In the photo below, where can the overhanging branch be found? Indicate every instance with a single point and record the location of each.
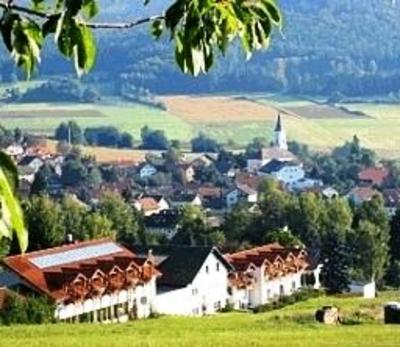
(100, 25)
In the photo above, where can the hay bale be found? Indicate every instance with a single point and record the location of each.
(328, 315)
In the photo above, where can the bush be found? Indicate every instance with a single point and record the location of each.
(30, 310)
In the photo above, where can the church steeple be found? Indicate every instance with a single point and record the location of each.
(279, 134)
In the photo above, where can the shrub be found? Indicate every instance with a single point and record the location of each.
(30, 310)
(228, 308)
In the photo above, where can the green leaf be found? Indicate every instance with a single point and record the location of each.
(90, 8)
(274, 12)
(85, 52)
(10, 170)
(11, 213)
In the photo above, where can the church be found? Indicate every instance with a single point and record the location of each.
(277, 151)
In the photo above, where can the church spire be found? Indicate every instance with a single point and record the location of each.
(279, 134)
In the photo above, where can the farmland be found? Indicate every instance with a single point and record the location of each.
(291, 326)
(237, 118)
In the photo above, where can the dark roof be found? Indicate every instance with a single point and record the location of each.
(224, 166)
(275, 165)
(164, 219)
(183, 197)
(179, 265)
(278, 126)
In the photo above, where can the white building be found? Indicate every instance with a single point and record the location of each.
(263, 274)
(241, 193)
(287, 172)
(194, 280)
(279, 135)
(98, 281)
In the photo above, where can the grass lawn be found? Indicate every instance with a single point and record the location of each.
(291, 326)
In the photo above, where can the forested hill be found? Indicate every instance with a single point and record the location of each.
(326, 47)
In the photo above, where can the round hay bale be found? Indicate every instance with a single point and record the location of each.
(328, 315)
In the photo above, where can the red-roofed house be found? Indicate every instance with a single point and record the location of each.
(362, 194)
(98, 279)
(265, 273)
(373, 175)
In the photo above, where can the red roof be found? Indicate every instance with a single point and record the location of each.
(274, 256)
(373, 175)
(55, 271)
(363, 193)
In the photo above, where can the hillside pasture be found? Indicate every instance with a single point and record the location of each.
(292, 326)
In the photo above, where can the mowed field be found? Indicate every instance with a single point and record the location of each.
(236, 119)
(291, 326)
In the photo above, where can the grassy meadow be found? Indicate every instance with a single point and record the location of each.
(236, 119)
(291, 326)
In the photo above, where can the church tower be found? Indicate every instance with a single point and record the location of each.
(279, 135)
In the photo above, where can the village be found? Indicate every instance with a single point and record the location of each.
(173, 270)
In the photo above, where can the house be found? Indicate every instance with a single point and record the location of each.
(97, 280)
(147, 170)
(242, 193)
(373, 175)
(194, 280)
(287, 172)
(164, 223)
(14, 150)
(265, 273)
(187, 171)
(31, 161)
(391, 197)
(358, 195)
(150, 204)
(305, 184)
(226, 168)
(182, 199)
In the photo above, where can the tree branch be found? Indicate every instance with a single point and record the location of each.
(100, 25)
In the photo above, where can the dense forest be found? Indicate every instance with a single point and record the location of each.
(341, 47)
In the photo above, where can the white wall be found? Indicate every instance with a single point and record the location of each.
(143, 296)
(205, 295)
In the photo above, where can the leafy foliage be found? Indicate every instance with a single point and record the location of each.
(11, 213)
(198, 28)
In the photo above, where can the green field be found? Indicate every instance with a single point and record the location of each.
(322, 127)
(291, 326)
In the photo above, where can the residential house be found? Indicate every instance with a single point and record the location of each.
(305, 184)
(265, 273)
(358, 195)
(97, 280)
(164, 223)
(373, 176)
(31, 161)
(266, 155)
(194, 280)
(15, 151)
(150, 204)
(329, 193)
(182, 199)
(287, 172)
(226, 168)
(242, 193)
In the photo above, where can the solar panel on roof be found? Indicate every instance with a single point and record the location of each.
(75, 255)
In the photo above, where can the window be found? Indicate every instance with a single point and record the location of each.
(143, 300)
(281, 290)
(195, 311)
(293, 286)
(195, 291)
(207, 270)
(268, 293)
(217, 267)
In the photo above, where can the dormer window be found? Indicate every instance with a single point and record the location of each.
(207, 269)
